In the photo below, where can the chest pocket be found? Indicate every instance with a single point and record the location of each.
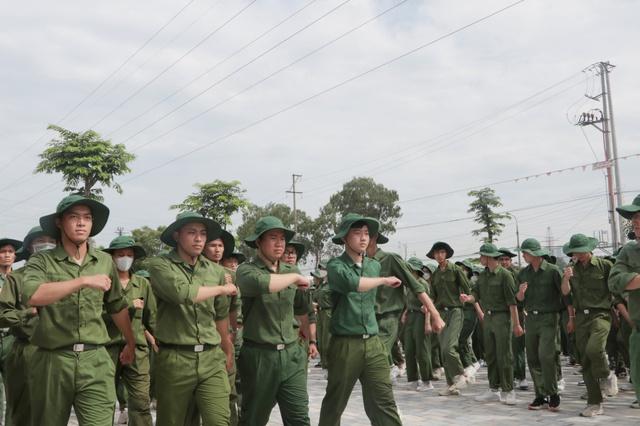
(495, 290)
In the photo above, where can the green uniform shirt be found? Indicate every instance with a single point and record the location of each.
(543, 291)
(14, 313)
(590, 285)
(448, 284)
(76, 318)
(322, 296)
(391, 299)
(141, 319)
(626, 268)
(269, 317)
(175, 283)
(495, 291)
(354, 311)
(413, 302)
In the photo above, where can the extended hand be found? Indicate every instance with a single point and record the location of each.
(128, 354)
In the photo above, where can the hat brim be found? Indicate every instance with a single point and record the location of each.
(213, 229)
(569, 250)
(16, 244)
(99, 215)
(536, 253)
(138, 251)
(229, 243)
(628, 211)
(493, 254)
(372, 224)
(382, 239)
(237, 255)
(251, 240)
(300, 248)
(440, 246)
(505, 252)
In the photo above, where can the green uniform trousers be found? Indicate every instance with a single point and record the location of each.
(6, 342)
(136, 382)
(435, 353)
(60, 379)
(469, 321)
(622, 339)
(541, 344)
(518, 348)
(449, 340)
(324, 336)
(270, 376)
(591, 338)
(497, 350)
(366, 360)
(192, 382)
(17, 366)
(233, 396)
(634, 358)
(388, 328)
(417, 348)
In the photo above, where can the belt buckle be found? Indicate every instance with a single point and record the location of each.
(535, 312)
(586, 311)
(280, 346)
(198, 348)
(78, 347)
(489, 312)
(365, 336)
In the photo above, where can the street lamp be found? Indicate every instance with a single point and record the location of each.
(513, 216)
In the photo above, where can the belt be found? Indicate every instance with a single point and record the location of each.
(388, 314)
(356, 336)
(278, 347)
(536, 312)
(79, 347)
(189, 348)
(592, 311)
(493, 312)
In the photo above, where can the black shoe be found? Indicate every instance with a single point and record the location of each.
(554, 403)
(538, 403)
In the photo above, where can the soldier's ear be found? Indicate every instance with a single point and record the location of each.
(175, 235)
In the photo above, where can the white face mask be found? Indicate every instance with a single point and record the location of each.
(43, 246)
(474, 279)
(124, 263)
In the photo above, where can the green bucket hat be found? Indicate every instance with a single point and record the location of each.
(440, 245)
(22, 254)
(381, 239)
(490, 250)
(348, 221)
(506, 252)
(265, 224)
(16, 244)
(467, 264)
(430, 267)
(579, 243)
(213, 229)
(236, 254)
(415, 264)
(123, 242)
(143, 273)
(629, 210)
(300, 248)
(33, 233)
(533, 247)
(228, 241)
(99, 212)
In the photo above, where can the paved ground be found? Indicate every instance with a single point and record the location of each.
(418, 408)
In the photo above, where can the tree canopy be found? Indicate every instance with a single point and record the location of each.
(483, 207)
(217, 200)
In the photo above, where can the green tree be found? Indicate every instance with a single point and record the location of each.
(85, 160)
(217, 200)
(149, 239)
(483, 207)
(364, 196)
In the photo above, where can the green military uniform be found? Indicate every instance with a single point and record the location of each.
(543, 302)
(447, 284)
(190, 367)
(322, 296)
(273, 362)
(235, 306)
(592, 302)
(469, 323)
(518, 343)
(417, 344)
(390, 301)
(496, 293)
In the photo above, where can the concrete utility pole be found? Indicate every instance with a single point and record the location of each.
(604, 117)
(120, 231)
(293, 191)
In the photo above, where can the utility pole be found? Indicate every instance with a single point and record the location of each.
(604, 117)
(293, 191)
(513, 216)
(119, 231)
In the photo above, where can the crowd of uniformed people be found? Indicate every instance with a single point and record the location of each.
(210, 337)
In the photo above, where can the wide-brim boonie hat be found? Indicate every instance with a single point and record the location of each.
(99, 213)
(228, 241)
(579, 243)
(300, 248)
(349, 220)
(16, 244)
(213, 228)
(123, 242)
(440, 245)
(506, 252)
(415, 264)
(430, 267)
(629, 210)
(265, 224)
(237, 255)
(467, 264)
(33, 233)
(382, 239)
(22, 254)
(490, 250)
(533, 247)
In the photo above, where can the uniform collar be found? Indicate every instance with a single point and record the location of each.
(282, 266)
(175, 258)
(59, 253)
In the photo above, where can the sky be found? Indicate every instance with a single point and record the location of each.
(430, 98)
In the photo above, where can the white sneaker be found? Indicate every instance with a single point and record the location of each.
(523, 384)
(476, 365)
(123, 418)
(492, 395)
(609, 385)
(438, 373)
(401, 370)
(450, 391)
(424, 386)
(395, 371)
(460, 381)
(511, 399)
(470, 371)
(592, 410)
(561, 385)
(325, 374)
